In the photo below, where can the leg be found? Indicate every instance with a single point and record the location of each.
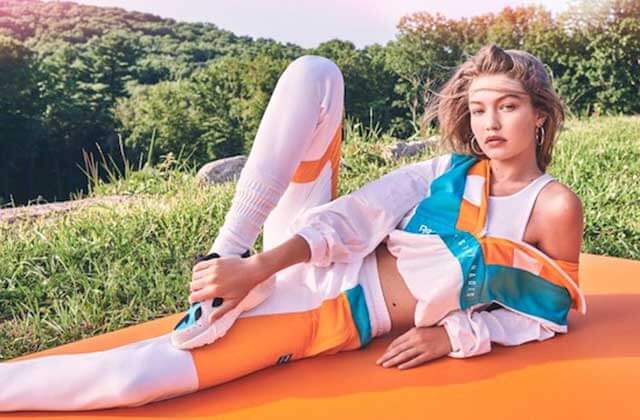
(294, 160)
(293, 165)
(154, 370)
(129, 375)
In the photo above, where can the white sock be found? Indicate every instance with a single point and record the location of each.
(253, 200)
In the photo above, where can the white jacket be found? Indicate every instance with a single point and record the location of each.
(352, 226)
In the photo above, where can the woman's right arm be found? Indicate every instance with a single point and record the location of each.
(232, 277)
(292, 251)
(352, 226)
(342, 230)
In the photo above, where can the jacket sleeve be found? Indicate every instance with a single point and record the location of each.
(471, 333)
(350, 227)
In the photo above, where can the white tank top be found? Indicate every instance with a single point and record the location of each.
(508, 215)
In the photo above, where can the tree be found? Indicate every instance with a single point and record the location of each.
(513, 27)
(425, 52)
(614, 67)
(214, 115)
(602, 62)
(18, 116)
(367, 87)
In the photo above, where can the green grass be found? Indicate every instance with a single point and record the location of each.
(103, 268)
(599, 159)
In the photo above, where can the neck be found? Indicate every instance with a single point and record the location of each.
(517, 169)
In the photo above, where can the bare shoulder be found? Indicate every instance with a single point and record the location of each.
(560, 203)
(560, 213)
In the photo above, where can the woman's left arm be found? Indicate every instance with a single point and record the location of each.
(463, 334)
(562, 223)
(415, 347)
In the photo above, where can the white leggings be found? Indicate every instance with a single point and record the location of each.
(296, 154)
(287, 171)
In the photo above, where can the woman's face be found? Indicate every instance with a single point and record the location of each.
(503, 119)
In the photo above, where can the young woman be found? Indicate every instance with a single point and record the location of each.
(452, 253)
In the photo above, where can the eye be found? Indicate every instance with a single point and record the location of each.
(508, 107)
(476, 111)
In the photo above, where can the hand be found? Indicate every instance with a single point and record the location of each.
(415, 347)
(230, 278)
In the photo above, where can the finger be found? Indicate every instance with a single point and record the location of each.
(197, 275)
(205, 293)
(196, 285)
(389, 352)
(202, 265)
(416, 361)
(393, 351)
(402, 339)
(198, 267)
(386, 356)
(401, 357)
(221, 310)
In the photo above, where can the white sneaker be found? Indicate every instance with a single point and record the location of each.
(194, 329)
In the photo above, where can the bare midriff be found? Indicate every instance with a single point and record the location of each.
(400, 302)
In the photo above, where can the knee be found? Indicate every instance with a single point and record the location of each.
(315, 68)
(126, 389)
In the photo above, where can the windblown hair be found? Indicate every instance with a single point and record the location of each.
(451, 104)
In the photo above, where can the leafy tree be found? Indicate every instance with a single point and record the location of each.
(513, 27)
(214, 115)
(600, 50)
(73, 116)
(73, 76)
(367, 82)
(427, 49)
(18, 117)
(614, 68)
(108, 63)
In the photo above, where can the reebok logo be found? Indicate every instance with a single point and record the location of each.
(424, 229)
(284, 359)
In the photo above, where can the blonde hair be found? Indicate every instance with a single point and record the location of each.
(452, 109)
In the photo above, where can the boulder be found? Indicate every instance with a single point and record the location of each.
(221, 170)
(408, 148)
(32, 212)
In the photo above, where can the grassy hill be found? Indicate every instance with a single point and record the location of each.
(103, 268)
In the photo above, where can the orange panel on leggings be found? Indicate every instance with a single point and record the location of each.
(308, 171)
(261, 341)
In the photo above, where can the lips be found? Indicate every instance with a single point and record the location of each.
(494, 139)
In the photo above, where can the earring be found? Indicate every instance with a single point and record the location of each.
(540, 136)
(475, 141)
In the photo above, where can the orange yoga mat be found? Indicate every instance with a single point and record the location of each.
(592, 372)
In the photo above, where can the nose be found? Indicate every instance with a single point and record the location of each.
(492, 122)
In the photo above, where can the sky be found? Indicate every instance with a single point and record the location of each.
(310, 22)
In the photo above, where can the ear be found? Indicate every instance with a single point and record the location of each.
(540, 118)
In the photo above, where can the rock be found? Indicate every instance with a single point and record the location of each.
(221, 170)
(404, 148)
(26, 213)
